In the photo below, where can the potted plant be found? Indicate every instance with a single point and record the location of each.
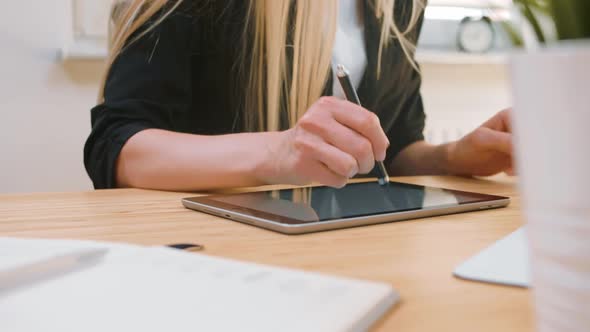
(569, 17)
(551, 117)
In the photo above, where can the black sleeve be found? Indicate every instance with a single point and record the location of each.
(148, 86)
(409, 126)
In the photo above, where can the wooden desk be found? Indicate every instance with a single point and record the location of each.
(416, 257)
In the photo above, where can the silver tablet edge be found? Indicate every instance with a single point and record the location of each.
(343, 223)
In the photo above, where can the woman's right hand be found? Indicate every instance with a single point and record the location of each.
(331, 143)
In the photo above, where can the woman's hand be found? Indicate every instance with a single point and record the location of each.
(485, 151)
(332, 142)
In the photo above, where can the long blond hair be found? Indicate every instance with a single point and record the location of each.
(268, 79)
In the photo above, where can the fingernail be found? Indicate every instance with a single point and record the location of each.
(353, 173)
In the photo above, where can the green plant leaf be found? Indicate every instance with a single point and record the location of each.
(513, 33)
(528, 13)
(572, 18)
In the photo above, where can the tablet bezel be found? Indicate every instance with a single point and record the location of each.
(472, 201)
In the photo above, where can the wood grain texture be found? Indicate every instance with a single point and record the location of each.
(416, 257)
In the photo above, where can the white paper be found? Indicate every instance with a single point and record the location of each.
(505, 262)
(160, 289)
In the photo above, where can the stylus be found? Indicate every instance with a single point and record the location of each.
(49, 268)
(352, 96)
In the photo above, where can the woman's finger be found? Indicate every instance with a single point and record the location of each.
(364, 122)
(324, 175)
(494, 140)
(346, 140)
(314, 148)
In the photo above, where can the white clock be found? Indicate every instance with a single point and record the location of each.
(476, 35)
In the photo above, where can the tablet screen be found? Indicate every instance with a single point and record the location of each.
(313, 204)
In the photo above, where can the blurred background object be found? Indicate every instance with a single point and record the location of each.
(44, 101)
(52, 63)
(551, 115)
(466, 26)
(462, 51)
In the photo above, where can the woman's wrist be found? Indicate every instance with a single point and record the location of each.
(265, 166)
(446, 158)
(440, 158)
(421, 158)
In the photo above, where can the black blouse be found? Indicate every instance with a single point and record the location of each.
(181, 77)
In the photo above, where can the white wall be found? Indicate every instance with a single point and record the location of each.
(45, 104)
(458, 98)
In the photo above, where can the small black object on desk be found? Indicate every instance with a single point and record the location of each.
(187, 246)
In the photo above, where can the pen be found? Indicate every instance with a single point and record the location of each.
(352, 96)
(49, 268)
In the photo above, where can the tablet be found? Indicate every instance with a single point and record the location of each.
(312, 209)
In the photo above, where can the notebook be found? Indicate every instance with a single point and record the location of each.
(145, 289)
(505, 262)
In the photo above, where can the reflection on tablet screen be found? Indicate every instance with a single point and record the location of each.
(354, 200)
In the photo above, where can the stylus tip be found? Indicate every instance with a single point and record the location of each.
(341, 71)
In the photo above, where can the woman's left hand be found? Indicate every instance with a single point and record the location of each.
(485, 151)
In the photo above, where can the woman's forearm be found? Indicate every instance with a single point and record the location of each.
(159, 159)
(421, 158)
(485, 151)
